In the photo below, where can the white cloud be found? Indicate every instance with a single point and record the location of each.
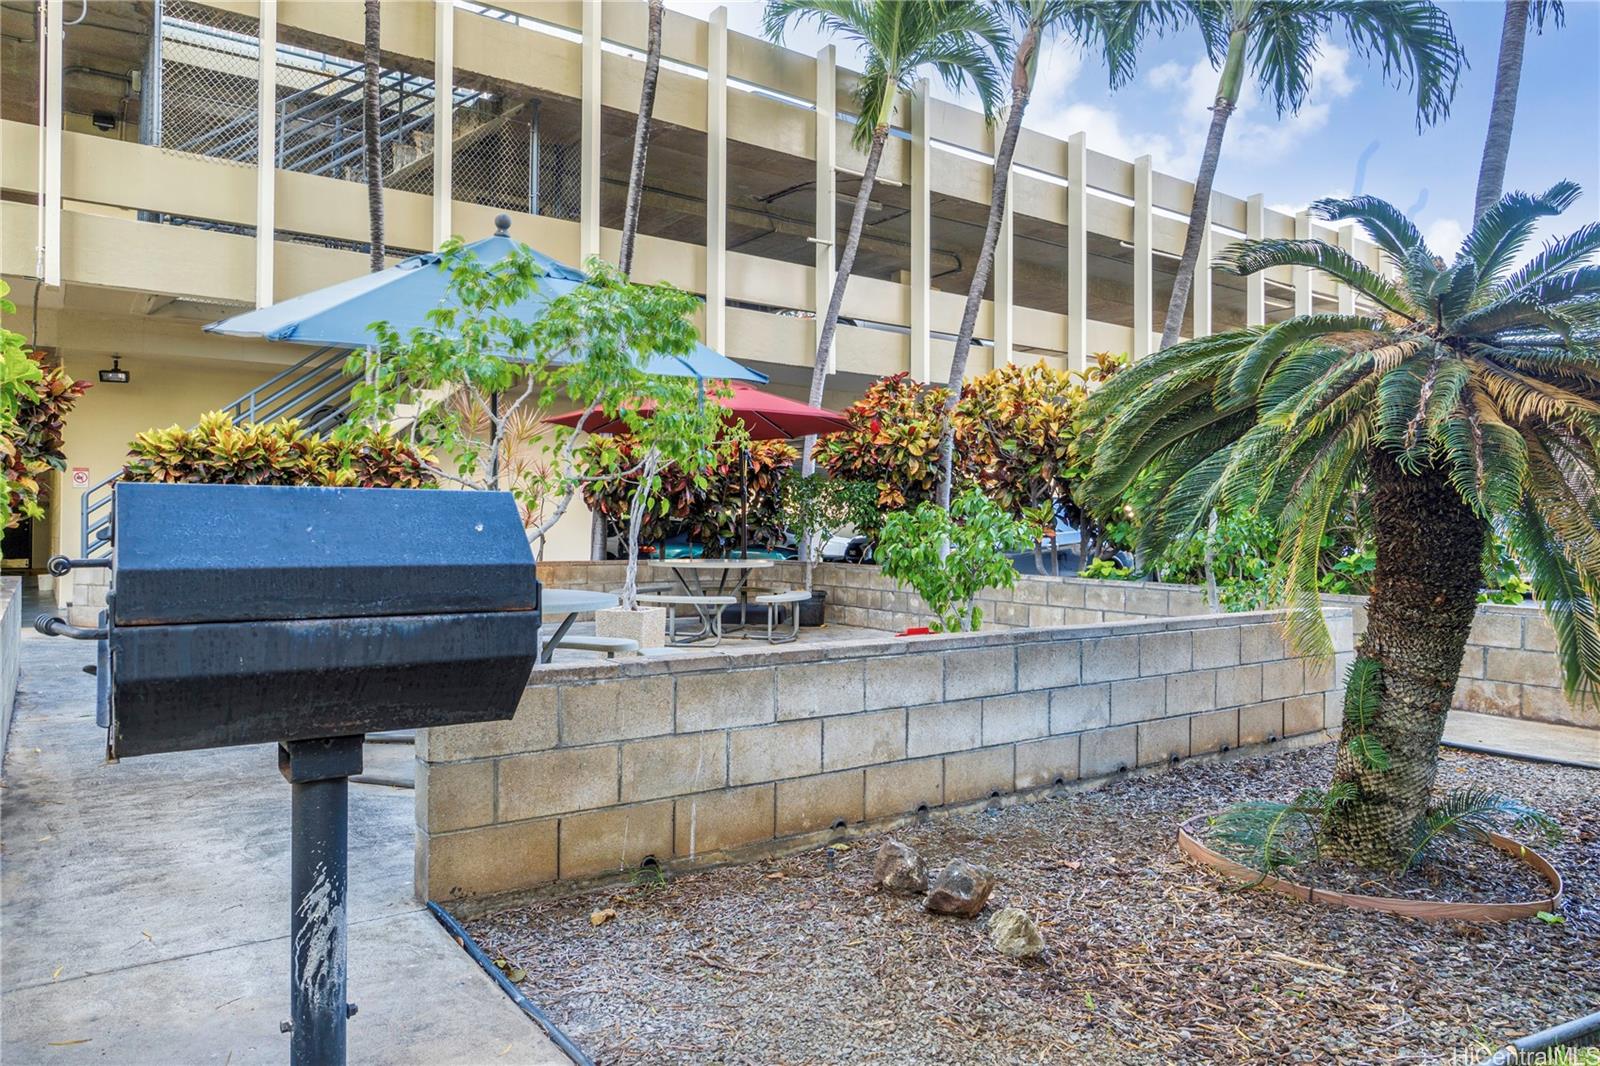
(1444, 236)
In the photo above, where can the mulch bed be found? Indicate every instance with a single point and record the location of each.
(1151, 960)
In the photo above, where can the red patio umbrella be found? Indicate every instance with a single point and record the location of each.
(764, 416)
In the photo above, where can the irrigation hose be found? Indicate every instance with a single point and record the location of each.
(1566, 1032)
(531, 1009)
(1484, 749)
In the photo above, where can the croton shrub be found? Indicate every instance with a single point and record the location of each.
(218, 452)
(893, 442)
(33, 447)
(703, 505)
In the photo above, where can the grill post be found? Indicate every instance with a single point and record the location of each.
(318, 772)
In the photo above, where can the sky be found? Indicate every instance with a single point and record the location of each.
(1355, 134)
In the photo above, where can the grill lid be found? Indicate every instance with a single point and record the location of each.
(238, 553)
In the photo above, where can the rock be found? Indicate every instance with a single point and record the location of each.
(899, 868)
(962, 888)
(1014, 933)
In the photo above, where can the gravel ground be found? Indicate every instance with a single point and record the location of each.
(1151, 959)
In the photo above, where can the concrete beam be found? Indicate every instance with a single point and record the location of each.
(1302, 275)
(1078, 251)
(1255, 286)
(921, 200)
(266, 149)
(1005, 279)
(589, 137)
(717, 179)
(1200, 292)
(827, 225)
(50, 157)
(1143, 251)
(1347, 295)
(444, 134)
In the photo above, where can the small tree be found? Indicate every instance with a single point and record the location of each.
(821, 506)
(977, 534)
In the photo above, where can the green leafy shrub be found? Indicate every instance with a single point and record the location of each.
(978, 533)
(217, 452)
(819, 506)
(32, 445)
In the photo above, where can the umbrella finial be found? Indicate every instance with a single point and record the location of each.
(502, 225)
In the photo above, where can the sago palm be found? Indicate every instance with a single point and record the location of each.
(1276, 43)
(966, 43)
(1467, 399)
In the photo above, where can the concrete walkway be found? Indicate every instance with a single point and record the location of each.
(1541, 739)
(145, 905)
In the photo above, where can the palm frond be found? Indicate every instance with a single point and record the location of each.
(1416, 44)
(1505, 228)
(1385, 224)
(1254, 256)
(1475, 812)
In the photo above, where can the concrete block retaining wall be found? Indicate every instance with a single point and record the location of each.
(705, 757)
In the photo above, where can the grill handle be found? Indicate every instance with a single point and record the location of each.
(60, 565)
(52, 626)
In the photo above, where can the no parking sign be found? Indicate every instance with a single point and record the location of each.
(80, 477)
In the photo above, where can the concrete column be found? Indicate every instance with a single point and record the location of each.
(1302, 275)
(266, 148)
(717, 179)
(1200, 291)
(827, 201)
(444, 131)
(1005, 280)
(589, 143)
(1143, 253)
(50, 156)
(1255, 286)
(921, 365)
(1347, 295)
(1077, 251)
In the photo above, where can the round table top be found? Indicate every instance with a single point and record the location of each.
(576, 601)
(714, 564)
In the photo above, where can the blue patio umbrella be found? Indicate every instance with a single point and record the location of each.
(340, 316)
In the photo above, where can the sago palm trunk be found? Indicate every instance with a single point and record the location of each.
(641, 138)
(372, 115)
(1424, 594)
(841, 279)
(999, 189)
(1503, 112)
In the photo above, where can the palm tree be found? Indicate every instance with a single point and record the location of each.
(641, 136)
(960, 39)
(1277, 41)
(1467, 400)
(1116, 27)
(372, 115)
(1503, 111)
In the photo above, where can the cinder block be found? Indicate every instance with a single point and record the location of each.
(532, 729)
(1106, 751)
(615, 840)
(1523, 667)
(1333, 710)
(718, 699)
(1496, 630)
(1281, 678)
(864, 739)
(1110, 659)
(1152, 603)
(1216, 647)
(1041, 763)
(1238, 685)
(716, 821)
(1160, 741)
(674, 766)
(1537, 635)
(771, 752)
(941, 727)
(1138, 700)
(1261, 722)
(1165, 653)
(1320, 675)
(1261, 642)
(1302, 714)
(1006, 614)
(810, 803)
(904, 681)
(810, 690)
(1213, 731)
(1488, 697)
(453, 796)
(552, 782)
(1051, 664)
(623, 709)
(971, 672)
(1067, 593)
(1472, 664)
(488, 860)
(1029, 590)
(1183, 603)
(1019, 716)
(1191, 693)
(1104, 596)
(1044, 617)
(1081, 707)
(975, 775)
(1551, 705)
(900, 788)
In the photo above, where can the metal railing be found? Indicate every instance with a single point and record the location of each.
(316, 392)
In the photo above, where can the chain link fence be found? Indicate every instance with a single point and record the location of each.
(210, 63)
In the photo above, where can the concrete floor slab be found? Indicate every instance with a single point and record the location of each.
(145, 904)
(1520, 737)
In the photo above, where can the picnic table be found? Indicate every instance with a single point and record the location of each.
(570, 603)
(709, 578)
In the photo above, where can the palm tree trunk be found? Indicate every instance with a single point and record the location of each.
(641, 137)
(847, 262)
(372, 115)
(1199, 214)
(999, 189)
(1424, 595)
(1503, 112)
